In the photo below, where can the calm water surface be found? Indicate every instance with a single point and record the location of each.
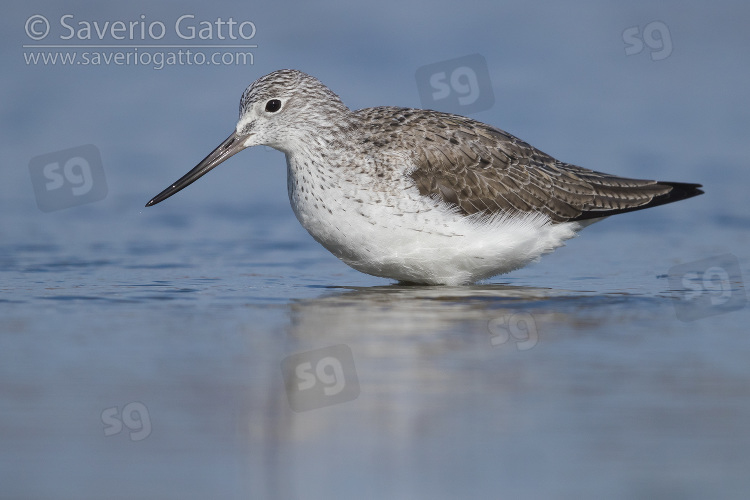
(146, 353)
(141, 356)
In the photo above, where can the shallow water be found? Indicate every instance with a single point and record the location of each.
(209, 348)
(144, 358)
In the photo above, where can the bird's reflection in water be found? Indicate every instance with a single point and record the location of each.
(437, 368)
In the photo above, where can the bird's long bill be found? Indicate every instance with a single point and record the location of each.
(231, 146)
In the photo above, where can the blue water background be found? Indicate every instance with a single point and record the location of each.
(190, 307)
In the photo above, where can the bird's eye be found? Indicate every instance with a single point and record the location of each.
(273, 105)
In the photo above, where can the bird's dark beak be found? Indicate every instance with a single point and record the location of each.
(230, 147)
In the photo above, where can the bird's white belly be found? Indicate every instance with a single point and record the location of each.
(405, 236)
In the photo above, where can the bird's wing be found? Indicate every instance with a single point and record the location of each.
(479, 168)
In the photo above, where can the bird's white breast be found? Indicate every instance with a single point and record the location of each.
(384, 227)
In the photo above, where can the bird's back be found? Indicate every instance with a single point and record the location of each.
(479, 168)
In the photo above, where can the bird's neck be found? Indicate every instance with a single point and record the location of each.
(321, 139)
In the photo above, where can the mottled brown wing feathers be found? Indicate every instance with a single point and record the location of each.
(478, 168)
